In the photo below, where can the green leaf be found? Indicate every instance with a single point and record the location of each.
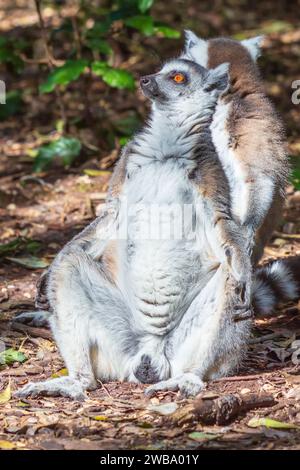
(119, 78)
(22, 404)
(12, 105)
(19, 244)
(124, 140)
(144, 5)
(7, 445)
(241, 36)
(63, 75)
(276, 26)
(9, 356)
(271, 423)
(99, 28)
(142, 23)
(59, 126)
(145, 425)
(128, 125)
(65, 148)
(203, 436)
(99, 67)
(116, 78)
(32, 246)
(296, 178)
(99, 45)
(99, 418)
(60, 373)
(167, 31)
(31, 262)
(92, 172)
(9, 52)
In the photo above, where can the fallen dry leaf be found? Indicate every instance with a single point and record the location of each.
(5, 396)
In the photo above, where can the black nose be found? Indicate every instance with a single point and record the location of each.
(149, 86)
(145, 81)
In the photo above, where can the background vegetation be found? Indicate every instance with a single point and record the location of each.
(71, 71)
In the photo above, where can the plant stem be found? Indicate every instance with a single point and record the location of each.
(50, 58)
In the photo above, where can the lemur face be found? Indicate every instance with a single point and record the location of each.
(183, 79)
(177, 78)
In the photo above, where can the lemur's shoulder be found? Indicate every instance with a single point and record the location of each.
(119, 173)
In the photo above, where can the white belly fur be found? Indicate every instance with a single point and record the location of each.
(162, 276)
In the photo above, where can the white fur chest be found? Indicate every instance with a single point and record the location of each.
(162, 265)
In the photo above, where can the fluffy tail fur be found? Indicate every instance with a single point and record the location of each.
(276, 283)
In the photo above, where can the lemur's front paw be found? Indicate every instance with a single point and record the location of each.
(188, 384)
(242, 309)
(239, 264)
(242, 313)
(62, 386)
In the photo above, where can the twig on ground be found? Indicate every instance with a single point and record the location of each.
(77, 37)
(287, 236)
(239, 378)
(263, 338)
(44, 61)
(220, 411)
(105, 389)
(32, 331)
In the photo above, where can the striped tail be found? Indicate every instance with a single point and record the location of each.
(274, 283)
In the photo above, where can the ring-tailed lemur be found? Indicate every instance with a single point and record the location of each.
(248, 136)
(146, 309)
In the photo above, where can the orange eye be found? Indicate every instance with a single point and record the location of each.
(179, 78)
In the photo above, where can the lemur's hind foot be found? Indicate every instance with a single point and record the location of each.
(62, 386)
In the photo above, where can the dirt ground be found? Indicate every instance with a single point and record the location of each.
(53, 206)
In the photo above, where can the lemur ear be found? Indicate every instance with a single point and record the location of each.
(190, 39)
(253, 45)
(217, 78)
(195, 48)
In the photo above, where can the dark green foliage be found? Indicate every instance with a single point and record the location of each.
(296, 178)
(19, 245)
(117, 78)
(90, 40)
(9, 356)
(63, 75)
(12, 106)
(64, 148)
(135, 15)
(10, 52)
(143, 23)
(127, 126)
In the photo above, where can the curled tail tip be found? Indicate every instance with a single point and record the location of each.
(274, 283)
